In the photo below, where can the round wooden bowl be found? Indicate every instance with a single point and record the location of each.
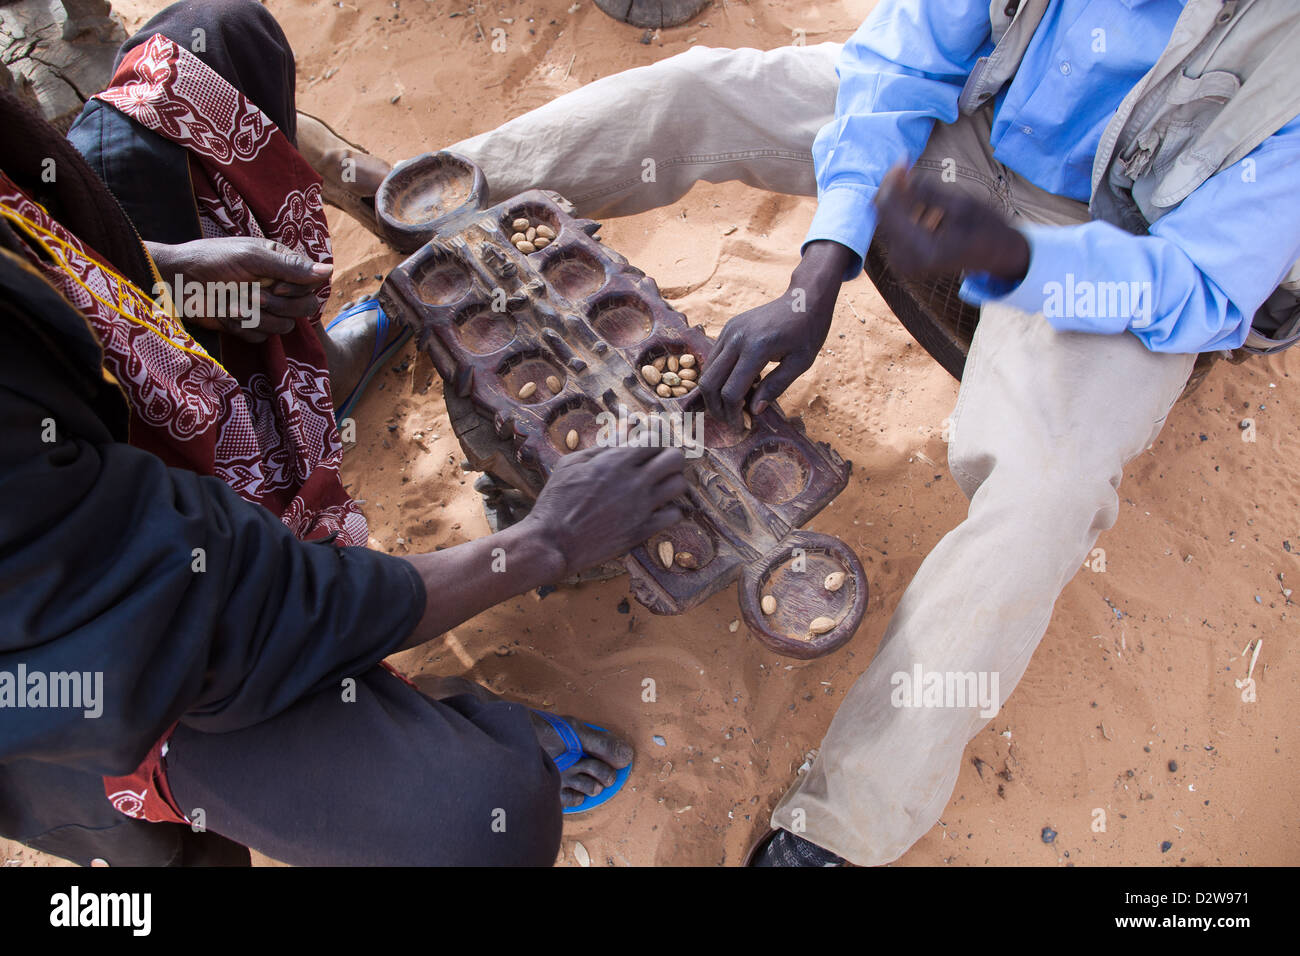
(801, 595)
(422, 192)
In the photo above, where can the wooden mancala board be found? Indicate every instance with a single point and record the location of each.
(535, 343)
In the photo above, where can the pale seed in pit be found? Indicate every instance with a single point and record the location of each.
(673, 364)
(519, 225)
(651, 374)
(541, 242)
(571, 439)
(553, 383)
(666, 553)
(660, 362)
(686, 560)
(769, 604)
(671, 378)
(518, 237)
(527, 390)
(525, 247)
(678, 391)
(688, 384)
(834, 581)
(688, 375)
(531, 234)
(820, 625)
(686, 361)
(546, 232)
(663, 390)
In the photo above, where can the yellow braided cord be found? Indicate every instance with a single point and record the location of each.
(40, 235)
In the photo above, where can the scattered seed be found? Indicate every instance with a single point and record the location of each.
(651, 374)
(768, 604)
(666, 553)
(686, 560)
(520, 225)
(749, 422)
(821, 625)
(834, 581)
(733, 627)
(581, 855)
(528, 389)
(571, 439)
(686, 361)
(663, 390)
(525, 247)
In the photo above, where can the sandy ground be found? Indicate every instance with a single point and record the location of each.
(1138, 666)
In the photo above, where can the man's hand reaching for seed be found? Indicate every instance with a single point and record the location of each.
(931, 230)
(602, 502)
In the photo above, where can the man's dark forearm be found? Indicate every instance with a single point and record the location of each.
(821, 272)
(468, 579)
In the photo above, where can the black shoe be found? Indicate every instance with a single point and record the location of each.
(783, 848)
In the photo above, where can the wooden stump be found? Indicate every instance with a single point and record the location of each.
(59, 53)
(652, 13)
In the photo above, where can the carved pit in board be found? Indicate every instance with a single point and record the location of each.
(531, 366)
(776, 470)
(442, 279)
(689, 537)
(574, 273)
(622, 320)
(482, 330)
(574, 414)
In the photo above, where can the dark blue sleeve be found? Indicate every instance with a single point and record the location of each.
(99, 574)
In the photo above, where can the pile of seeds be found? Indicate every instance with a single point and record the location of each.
(672, 376)
(683, 559)
(528, 237)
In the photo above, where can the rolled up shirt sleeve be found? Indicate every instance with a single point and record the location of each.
(1193, 283)
(903, 69)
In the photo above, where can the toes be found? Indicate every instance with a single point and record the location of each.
(570, 798)
(581, 782)
(603, 773)
(603, 745)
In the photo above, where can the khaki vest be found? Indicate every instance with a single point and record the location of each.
(1225, 83)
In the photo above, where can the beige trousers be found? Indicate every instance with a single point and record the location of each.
(1044, 424)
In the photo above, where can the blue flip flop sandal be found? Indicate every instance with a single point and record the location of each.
(382, 354)
(573, 752)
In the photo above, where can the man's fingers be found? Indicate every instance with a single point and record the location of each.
(672, 487)
(739, 383)
(665, 463)
(716, 372)
(272, 260)
(662, 520)
(775, 384)
(296, 307)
